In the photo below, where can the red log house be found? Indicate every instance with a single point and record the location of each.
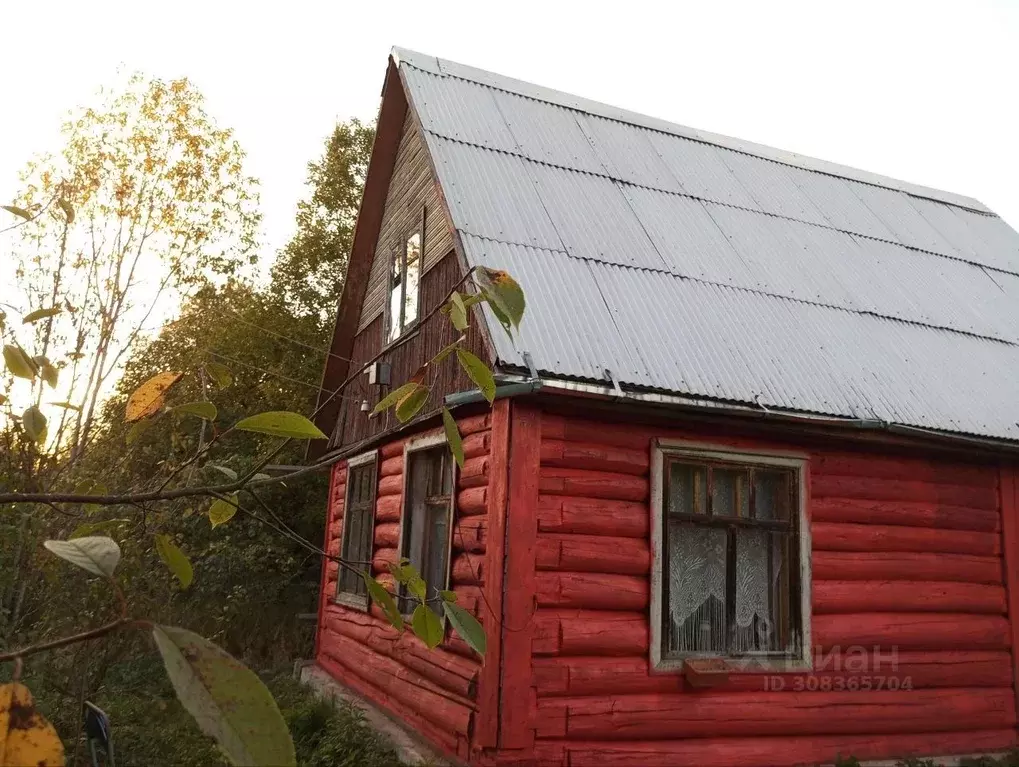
(747, 494)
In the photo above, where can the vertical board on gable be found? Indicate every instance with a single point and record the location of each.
(412, 190)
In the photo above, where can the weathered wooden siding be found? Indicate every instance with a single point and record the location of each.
(353, 425)
(436, 691)
(412, 189)
(907, 558)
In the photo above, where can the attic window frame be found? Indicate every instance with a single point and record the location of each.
(662, 450)
(399, 250)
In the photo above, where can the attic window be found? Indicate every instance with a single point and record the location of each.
(729, 542)
(404, 284)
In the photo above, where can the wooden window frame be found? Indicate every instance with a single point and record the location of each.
(417, 445)
(401, 248)
(802, 657)
(346, 598)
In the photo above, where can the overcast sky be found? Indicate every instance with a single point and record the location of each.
(922, 91)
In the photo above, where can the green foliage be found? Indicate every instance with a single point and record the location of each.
(281, 424)
(409, 406)
(222, 511)
(97, 554)
(478, 372)
(383, 599)
(398, 394)
(175, 559)
(453, 439)
(34, 423)
(19, 363)
(427, 626)
(204, 410)
(229, 701)
(40, 314)
(466, 625)
(17, 211)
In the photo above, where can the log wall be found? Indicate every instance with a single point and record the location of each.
(908, 584)
(435, 691)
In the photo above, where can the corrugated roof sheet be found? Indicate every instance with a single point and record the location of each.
(695, 264)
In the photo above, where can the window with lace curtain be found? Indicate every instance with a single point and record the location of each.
(728, 553)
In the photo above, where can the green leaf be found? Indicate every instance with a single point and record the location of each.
(478, 372)
(383, 599)
(67, 406)
(220, 374)
(446, 351)
(50, 375)
(261, 477)
(503, 293)
(204, 410)
(448, 596)
(427, 626)
(281, 423)
(416, 585)
(35, 424)
(409, 406)
(19, 363)
(17, 211)
(222, 511)
(467, 626)
(457, 311)
(67, 208)
(40, 314)
(226, 471)
(227, 700)
(456, 445)
(90, 528)
(137, 429)
(97, 554)
(174, 559)
(395, 396)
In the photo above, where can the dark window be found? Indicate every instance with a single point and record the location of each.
(730, 545)
(404, 285)
(426, 517)
(358, 524)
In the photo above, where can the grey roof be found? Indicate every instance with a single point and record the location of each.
(696, 264)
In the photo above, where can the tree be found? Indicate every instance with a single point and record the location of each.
(309, 273)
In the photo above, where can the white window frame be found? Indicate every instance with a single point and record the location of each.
(700, 451)
(346, 598)
(415, 445)
(401, 248)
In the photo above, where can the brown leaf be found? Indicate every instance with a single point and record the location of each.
(148, 398)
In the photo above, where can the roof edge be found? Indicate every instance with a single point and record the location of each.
(443, 67)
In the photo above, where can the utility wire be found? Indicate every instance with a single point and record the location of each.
(294, 341)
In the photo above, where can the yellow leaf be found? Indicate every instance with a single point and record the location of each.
(222, 511)
(148, 398)
(25, 735)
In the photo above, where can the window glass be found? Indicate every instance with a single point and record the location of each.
(402, 305)
(358, 516)
(426, 518)
(413, 271)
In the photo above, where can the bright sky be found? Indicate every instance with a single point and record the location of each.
(923, 91)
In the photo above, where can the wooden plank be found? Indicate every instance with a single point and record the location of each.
(590, 632)
(906, 597)
(594, 591)
(592, 516)
(594, 456)
(935, 472)
(892, 632)
(777, 750)
(593, 554)
(876, 488)
(907, 513)
(486, 727)
(906, 566)
(1010, 534)
(844, 536)
(581, 483)
(516, 727)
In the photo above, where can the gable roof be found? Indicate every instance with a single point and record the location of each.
(695, 264)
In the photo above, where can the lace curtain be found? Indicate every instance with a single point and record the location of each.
(697, 579)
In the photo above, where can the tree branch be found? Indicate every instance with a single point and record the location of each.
(84, 636)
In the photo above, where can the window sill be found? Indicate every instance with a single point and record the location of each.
(353, 601)
(707, 667)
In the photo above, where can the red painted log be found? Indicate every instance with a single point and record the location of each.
(1010, 536)
(594, 457)
(470, 534)
(902, 469)
(473, 424)
(904, 513)
(776, 751)
(907, 596)
(875, 488)
(472, 501)
(477, 444)
(399, 682)
(336, 528)
(589, 632)
(388, 508)
(383, 558)
(470, 598)
(442, 737)
(595, 432)
(593, 484)
(619, 519)
(611, 676)
(905, 566)
(392, 467)
(393, 449)
(640, 717)
(474, 473)
(387, 534)
(392, 485)
(912, 631)
(468, 569)
(592, 591)
(593, 554)
(836, 536)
